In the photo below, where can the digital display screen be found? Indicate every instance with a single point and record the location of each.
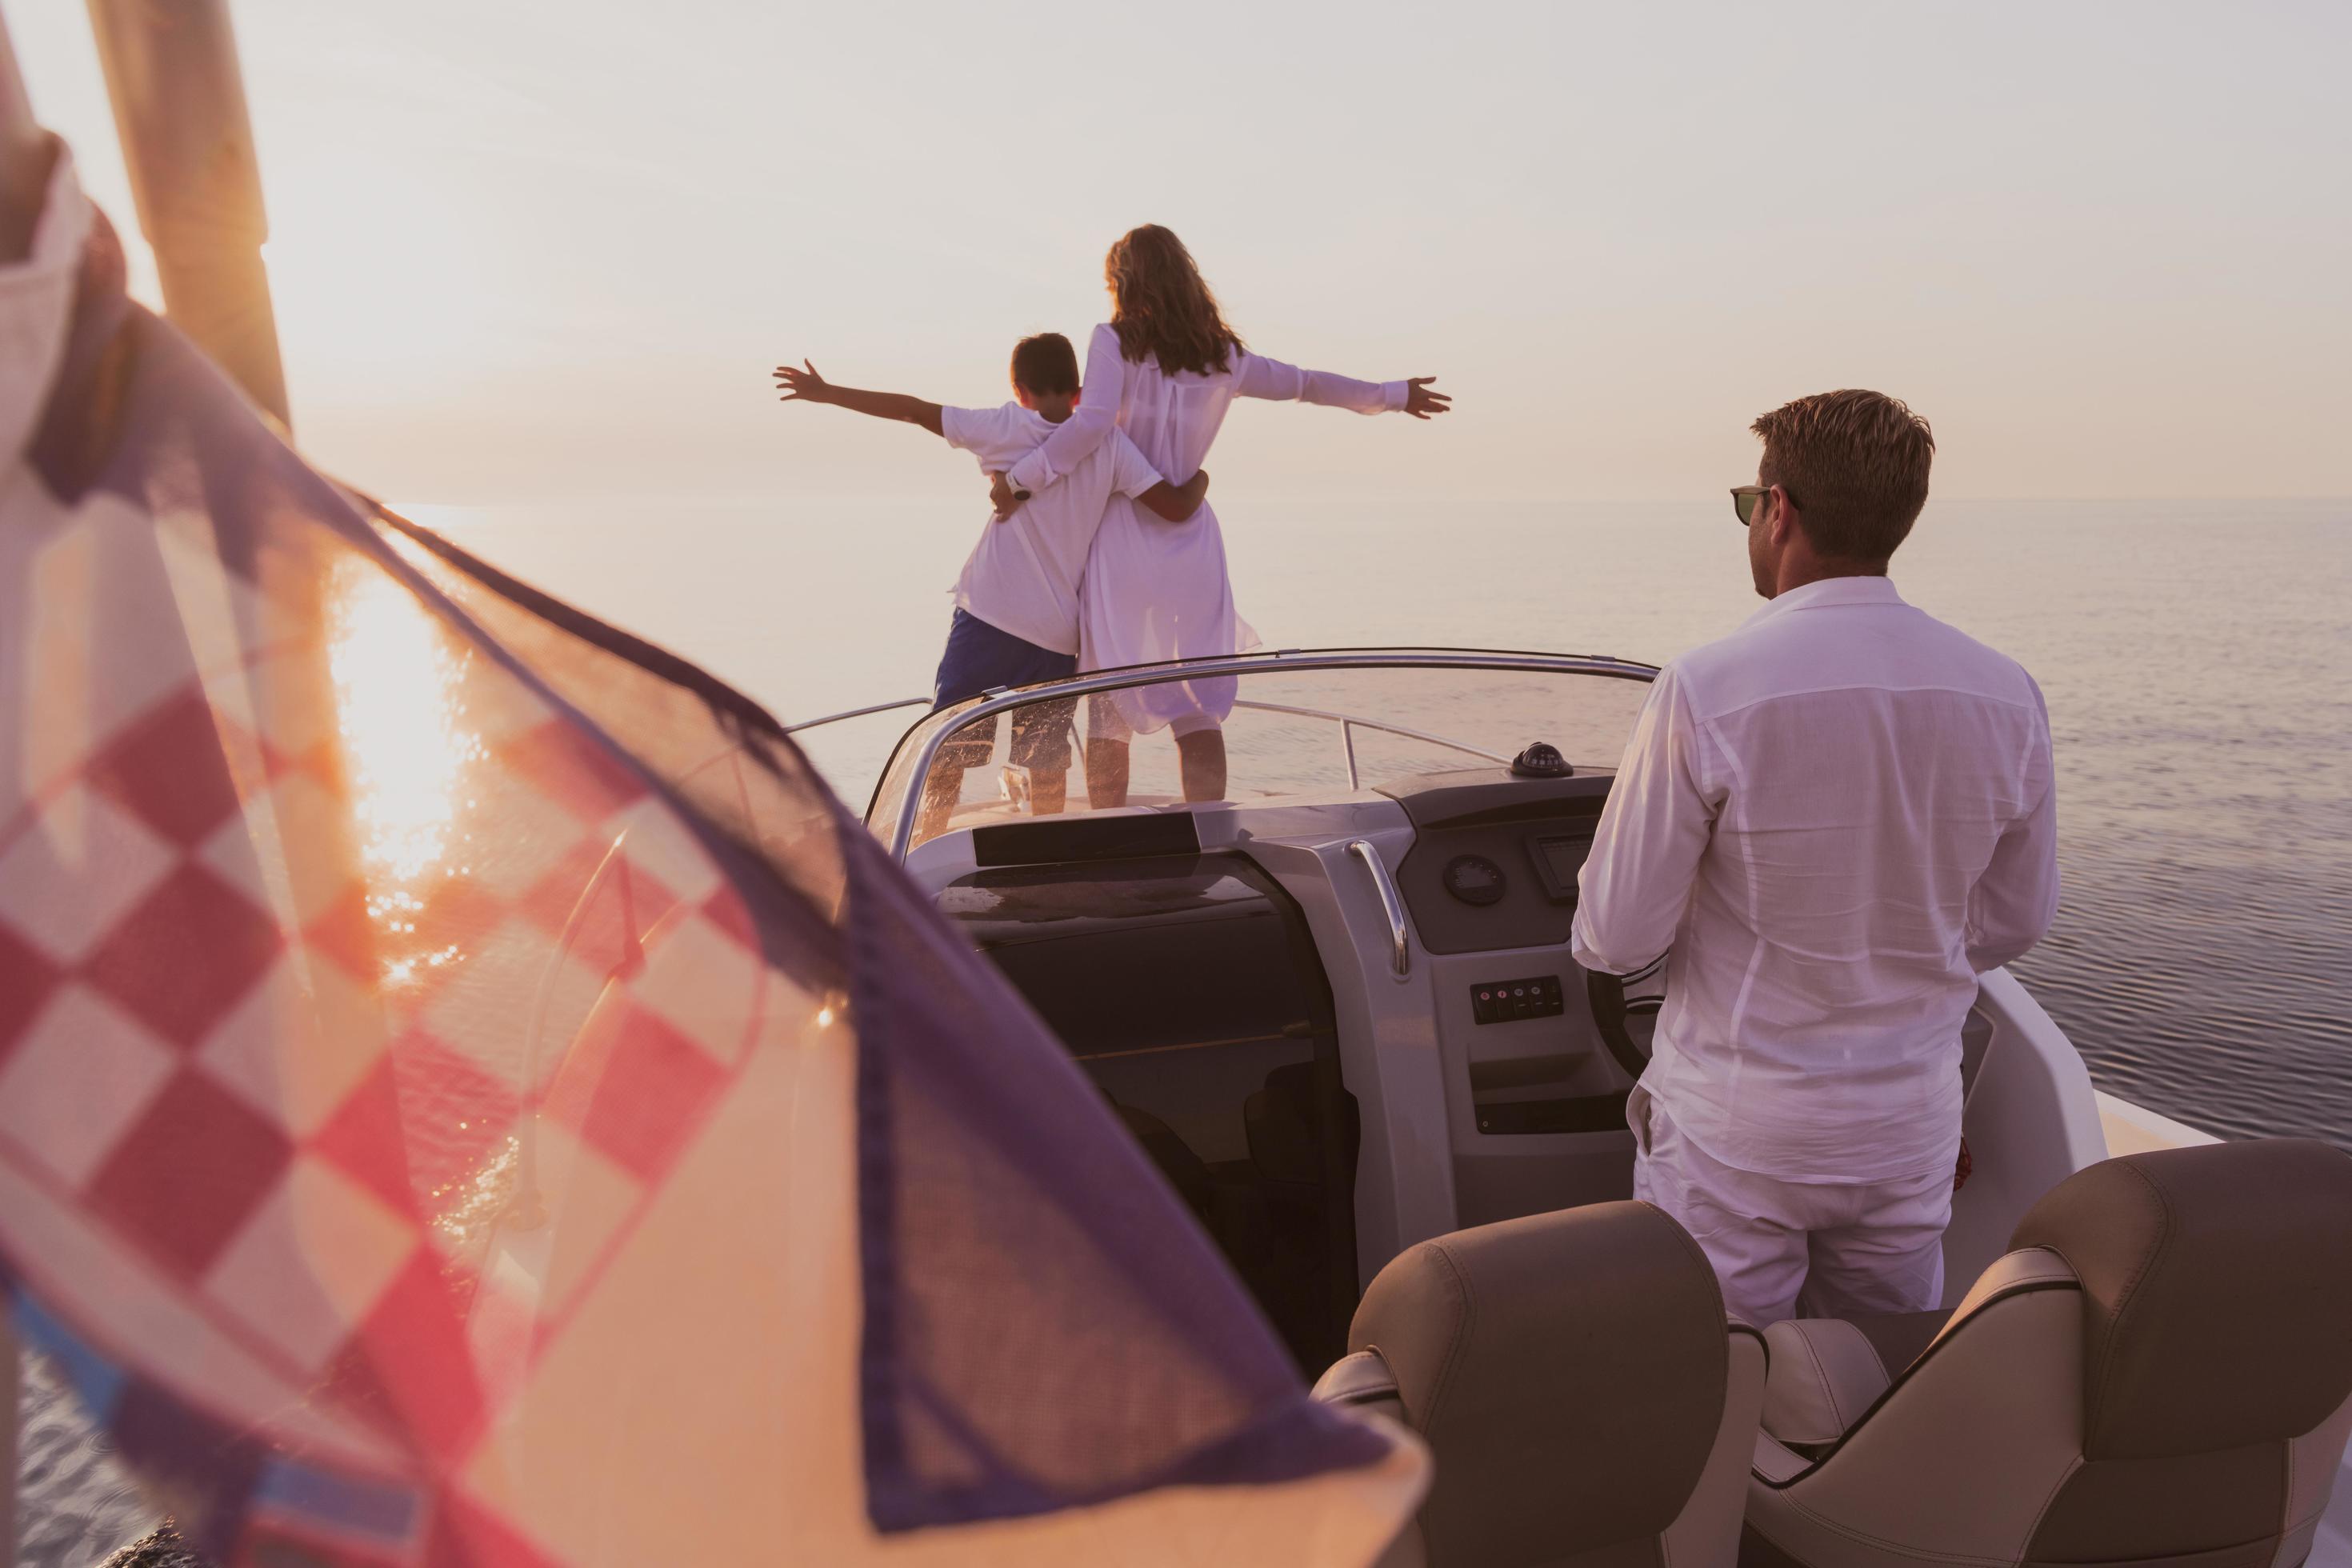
(1564, 857)
(1559, 859)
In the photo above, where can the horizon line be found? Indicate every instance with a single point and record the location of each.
(606, 499)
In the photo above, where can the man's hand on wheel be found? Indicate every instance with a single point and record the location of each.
(1421, 402)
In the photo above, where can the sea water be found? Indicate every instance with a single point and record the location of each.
(2196, 657)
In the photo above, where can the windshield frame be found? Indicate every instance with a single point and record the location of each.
(943, 722)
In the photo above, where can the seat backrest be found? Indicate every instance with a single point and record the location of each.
(2161, 1371)
(2217, 1333)
(1568, 1372)
(2217, 1292)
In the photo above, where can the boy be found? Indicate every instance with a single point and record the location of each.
(1016, 614)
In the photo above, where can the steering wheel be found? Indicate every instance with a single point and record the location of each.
(1613, 1012)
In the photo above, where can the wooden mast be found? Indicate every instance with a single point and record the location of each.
(25, 155)
(179, 110)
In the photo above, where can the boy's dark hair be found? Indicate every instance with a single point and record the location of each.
(1045, 363)
(1854, 465)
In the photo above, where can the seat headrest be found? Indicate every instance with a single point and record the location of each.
(2217, 1285)
(1567, 1370)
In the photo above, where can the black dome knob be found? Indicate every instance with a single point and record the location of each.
(1541, 760)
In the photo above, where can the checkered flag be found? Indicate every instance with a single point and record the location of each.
(469, 1094)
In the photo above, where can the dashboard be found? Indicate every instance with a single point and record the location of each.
(1323, 1095)
(1495, 858)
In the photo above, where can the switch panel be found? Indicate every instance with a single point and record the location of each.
(1502, 1000)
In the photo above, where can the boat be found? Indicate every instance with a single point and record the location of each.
(1335, 1013)
(1338, 1009)
(1385, 899)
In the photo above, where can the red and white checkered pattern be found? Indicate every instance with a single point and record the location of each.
(406, 1150)
(285, 1090)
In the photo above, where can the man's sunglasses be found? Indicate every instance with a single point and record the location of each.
(1747, 498)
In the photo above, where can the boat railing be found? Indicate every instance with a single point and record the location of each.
(1349, 722)
(856, 714)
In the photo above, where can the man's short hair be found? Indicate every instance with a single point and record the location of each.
(1854, 465)
(1045, 363)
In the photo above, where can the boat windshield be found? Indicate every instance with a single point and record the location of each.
(1294, 724)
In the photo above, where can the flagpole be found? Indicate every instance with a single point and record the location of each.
(180, 113)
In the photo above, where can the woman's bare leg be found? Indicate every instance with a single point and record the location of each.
(1106, 772)
(1202, 760)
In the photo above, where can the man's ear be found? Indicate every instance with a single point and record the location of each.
(1784, 516)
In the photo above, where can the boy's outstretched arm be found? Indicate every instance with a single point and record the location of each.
(803, 385)
(1176, 502)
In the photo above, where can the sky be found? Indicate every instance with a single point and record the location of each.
(537, 251)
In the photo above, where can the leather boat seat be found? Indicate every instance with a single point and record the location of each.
(1585, 1401)
(2158, 1375)
(1826, 1373)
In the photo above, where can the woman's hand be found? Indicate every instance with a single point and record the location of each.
(1421, 402)
(801, 384)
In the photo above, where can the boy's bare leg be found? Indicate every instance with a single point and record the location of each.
(1106, 772)
(1043, 735)
(1048, 793)
(941, 791)
(1202, 762)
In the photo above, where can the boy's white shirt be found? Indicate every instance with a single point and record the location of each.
(1022, 576)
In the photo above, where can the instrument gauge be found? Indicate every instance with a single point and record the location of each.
(1474, 879)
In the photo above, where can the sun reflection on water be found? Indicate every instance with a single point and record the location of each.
(402, 714)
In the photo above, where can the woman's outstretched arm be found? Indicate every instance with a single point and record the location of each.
(1084, 430)
(1262, 377)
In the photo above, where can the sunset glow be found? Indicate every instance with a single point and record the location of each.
(522, 251)
(410, 755)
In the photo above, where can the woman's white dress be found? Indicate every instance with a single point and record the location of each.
(1157, 590)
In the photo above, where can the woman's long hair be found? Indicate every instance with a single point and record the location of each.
(1160, 306)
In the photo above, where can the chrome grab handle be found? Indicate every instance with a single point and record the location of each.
(1390, 905)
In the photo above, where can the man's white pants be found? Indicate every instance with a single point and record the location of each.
(1848, 1248)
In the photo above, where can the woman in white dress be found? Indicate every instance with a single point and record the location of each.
(1164, 369)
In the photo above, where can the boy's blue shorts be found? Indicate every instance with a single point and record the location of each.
(979, 656)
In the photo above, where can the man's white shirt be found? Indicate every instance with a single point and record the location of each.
(1835, 818)
(1022, 576)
